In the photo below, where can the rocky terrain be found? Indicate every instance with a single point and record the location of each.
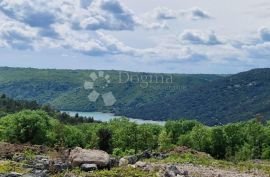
(40, 161)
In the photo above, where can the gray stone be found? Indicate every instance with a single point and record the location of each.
(185, 173)
(123, 162)
(89, 167)
(79, 156)
(173, 169)
(146, 155)
(41, 173)
(114, 162)
(39, 166)
(140, 164)
(60, 166)
(132, 159)
(13, 174)
(29, 175)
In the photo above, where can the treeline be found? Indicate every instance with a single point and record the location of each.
(8, 106)
(235, 142)
(28, 122)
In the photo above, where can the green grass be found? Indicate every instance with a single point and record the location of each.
(115, 172)
(10, 166)
(208, 161)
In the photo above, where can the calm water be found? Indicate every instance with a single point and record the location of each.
(105, 117)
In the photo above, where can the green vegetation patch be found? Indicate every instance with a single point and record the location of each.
(10, 166)
(115, 172)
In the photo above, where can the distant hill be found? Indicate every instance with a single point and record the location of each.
(211, 99)
(64, 89)
(229, 99)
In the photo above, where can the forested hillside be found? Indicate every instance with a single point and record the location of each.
(211, 99)
(64, 89)
(229, 99)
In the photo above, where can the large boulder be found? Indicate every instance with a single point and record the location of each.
(79, 156)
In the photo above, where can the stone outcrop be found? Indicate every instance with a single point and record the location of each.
(79, 156)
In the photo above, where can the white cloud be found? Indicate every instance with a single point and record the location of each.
(196, 13)
(198, 37)
(164, 13)
(86, 14)
(109, 15)
(16, 35)
(264, 33)
(258, 51)
(83, 25)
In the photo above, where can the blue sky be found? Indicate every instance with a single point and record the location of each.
(172, 36)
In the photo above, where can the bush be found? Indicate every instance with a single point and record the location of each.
(26, 127)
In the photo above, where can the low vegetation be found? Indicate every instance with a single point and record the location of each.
(228, 146)
(115, 172)
(234, 142)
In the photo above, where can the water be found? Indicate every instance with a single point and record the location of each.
(105, 117)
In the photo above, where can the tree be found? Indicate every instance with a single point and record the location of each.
(200, 137)
(218, 142)
(148, 136)
(255, 137)
(125, 134)
(104, 139)
(180, 127)
(234, 138)
(164, 140)
(244, 153)
(26, 126)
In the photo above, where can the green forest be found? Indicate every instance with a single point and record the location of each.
(210, 99)
(30, 123)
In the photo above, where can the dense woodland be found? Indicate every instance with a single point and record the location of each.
(27, 122)
(63, 89)
(210, 99)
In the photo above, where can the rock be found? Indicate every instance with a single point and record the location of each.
(61, 166)
(128, 160)
(131, 159)
(18, 158)
(173, 169)
(140, 164)
(39, 166)
(114, 162)
(145, 155)
(41, 173)
(28, 175)
(160, 155)
(13, 174)
(123, 162)
(89, 167)
(185, 173)
(40, 157)
(27, 166)
(79, 156)
(46, 163)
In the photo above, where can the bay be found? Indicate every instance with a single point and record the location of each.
(105, 117)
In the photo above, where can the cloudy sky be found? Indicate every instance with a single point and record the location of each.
(174, 36)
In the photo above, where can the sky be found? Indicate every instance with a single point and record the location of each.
(172, 36)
